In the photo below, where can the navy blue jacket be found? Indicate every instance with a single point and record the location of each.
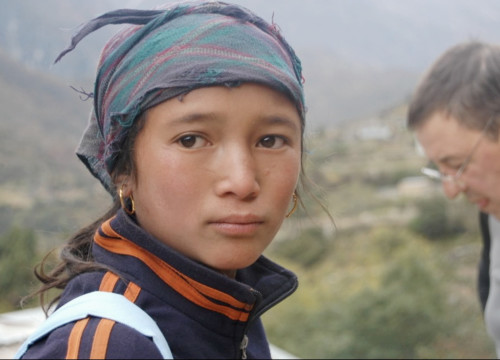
(202, 313)
(483, 283)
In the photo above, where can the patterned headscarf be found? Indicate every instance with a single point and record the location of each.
(169, 52)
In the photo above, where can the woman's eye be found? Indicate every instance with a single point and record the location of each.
(272, 142)
(192, 141)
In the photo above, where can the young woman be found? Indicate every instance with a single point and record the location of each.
(196, 132)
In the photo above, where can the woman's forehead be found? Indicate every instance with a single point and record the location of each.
(219, 105)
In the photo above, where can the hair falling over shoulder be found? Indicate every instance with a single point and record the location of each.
(76, 254)
(75, 258)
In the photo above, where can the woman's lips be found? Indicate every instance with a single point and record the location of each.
(237, 225)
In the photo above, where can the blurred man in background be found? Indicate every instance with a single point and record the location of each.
(455, 115)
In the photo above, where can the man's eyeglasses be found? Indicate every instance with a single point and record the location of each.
(437, 175)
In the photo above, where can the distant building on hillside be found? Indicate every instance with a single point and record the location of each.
(374, 131)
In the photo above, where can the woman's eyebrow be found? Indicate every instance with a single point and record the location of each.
(213, 116)
(282, 120)
(194, 117)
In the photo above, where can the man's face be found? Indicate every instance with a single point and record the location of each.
(448, 144)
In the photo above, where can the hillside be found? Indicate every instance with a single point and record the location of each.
(40, 125)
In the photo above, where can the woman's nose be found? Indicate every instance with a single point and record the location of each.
(238, 175)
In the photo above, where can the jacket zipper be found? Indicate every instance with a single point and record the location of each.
(258, 296)
(243, 347)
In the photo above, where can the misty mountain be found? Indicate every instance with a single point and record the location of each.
(359, 56)
(41, 122)
(376, 33)
(42, 183)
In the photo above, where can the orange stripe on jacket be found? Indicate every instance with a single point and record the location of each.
(132, 291)
(102, 334)
(103, 330)
(108, 282)
(75, 338)
(189, 288)
(101, 339)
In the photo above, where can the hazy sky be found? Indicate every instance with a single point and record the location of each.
(382, 33)
(379, 32)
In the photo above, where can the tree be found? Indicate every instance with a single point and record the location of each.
(435, 221)
(17, 256)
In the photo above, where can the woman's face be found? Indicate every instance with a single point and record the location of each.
(216, 171)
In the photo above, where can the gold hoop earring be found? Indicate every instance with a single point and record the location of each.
(124, 205)
(295, 203)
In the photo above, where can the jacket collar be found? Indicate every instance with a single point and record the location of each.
(254, 290)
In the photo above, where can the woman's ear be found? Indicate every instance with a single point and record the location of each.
(125, 184)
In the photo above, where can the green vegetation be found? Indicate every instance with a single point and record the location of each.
(434, 221)
(384, 293)
(307, 249)
(17, 253)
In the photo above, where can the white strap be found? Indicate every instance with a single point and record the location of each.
(104, 305)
